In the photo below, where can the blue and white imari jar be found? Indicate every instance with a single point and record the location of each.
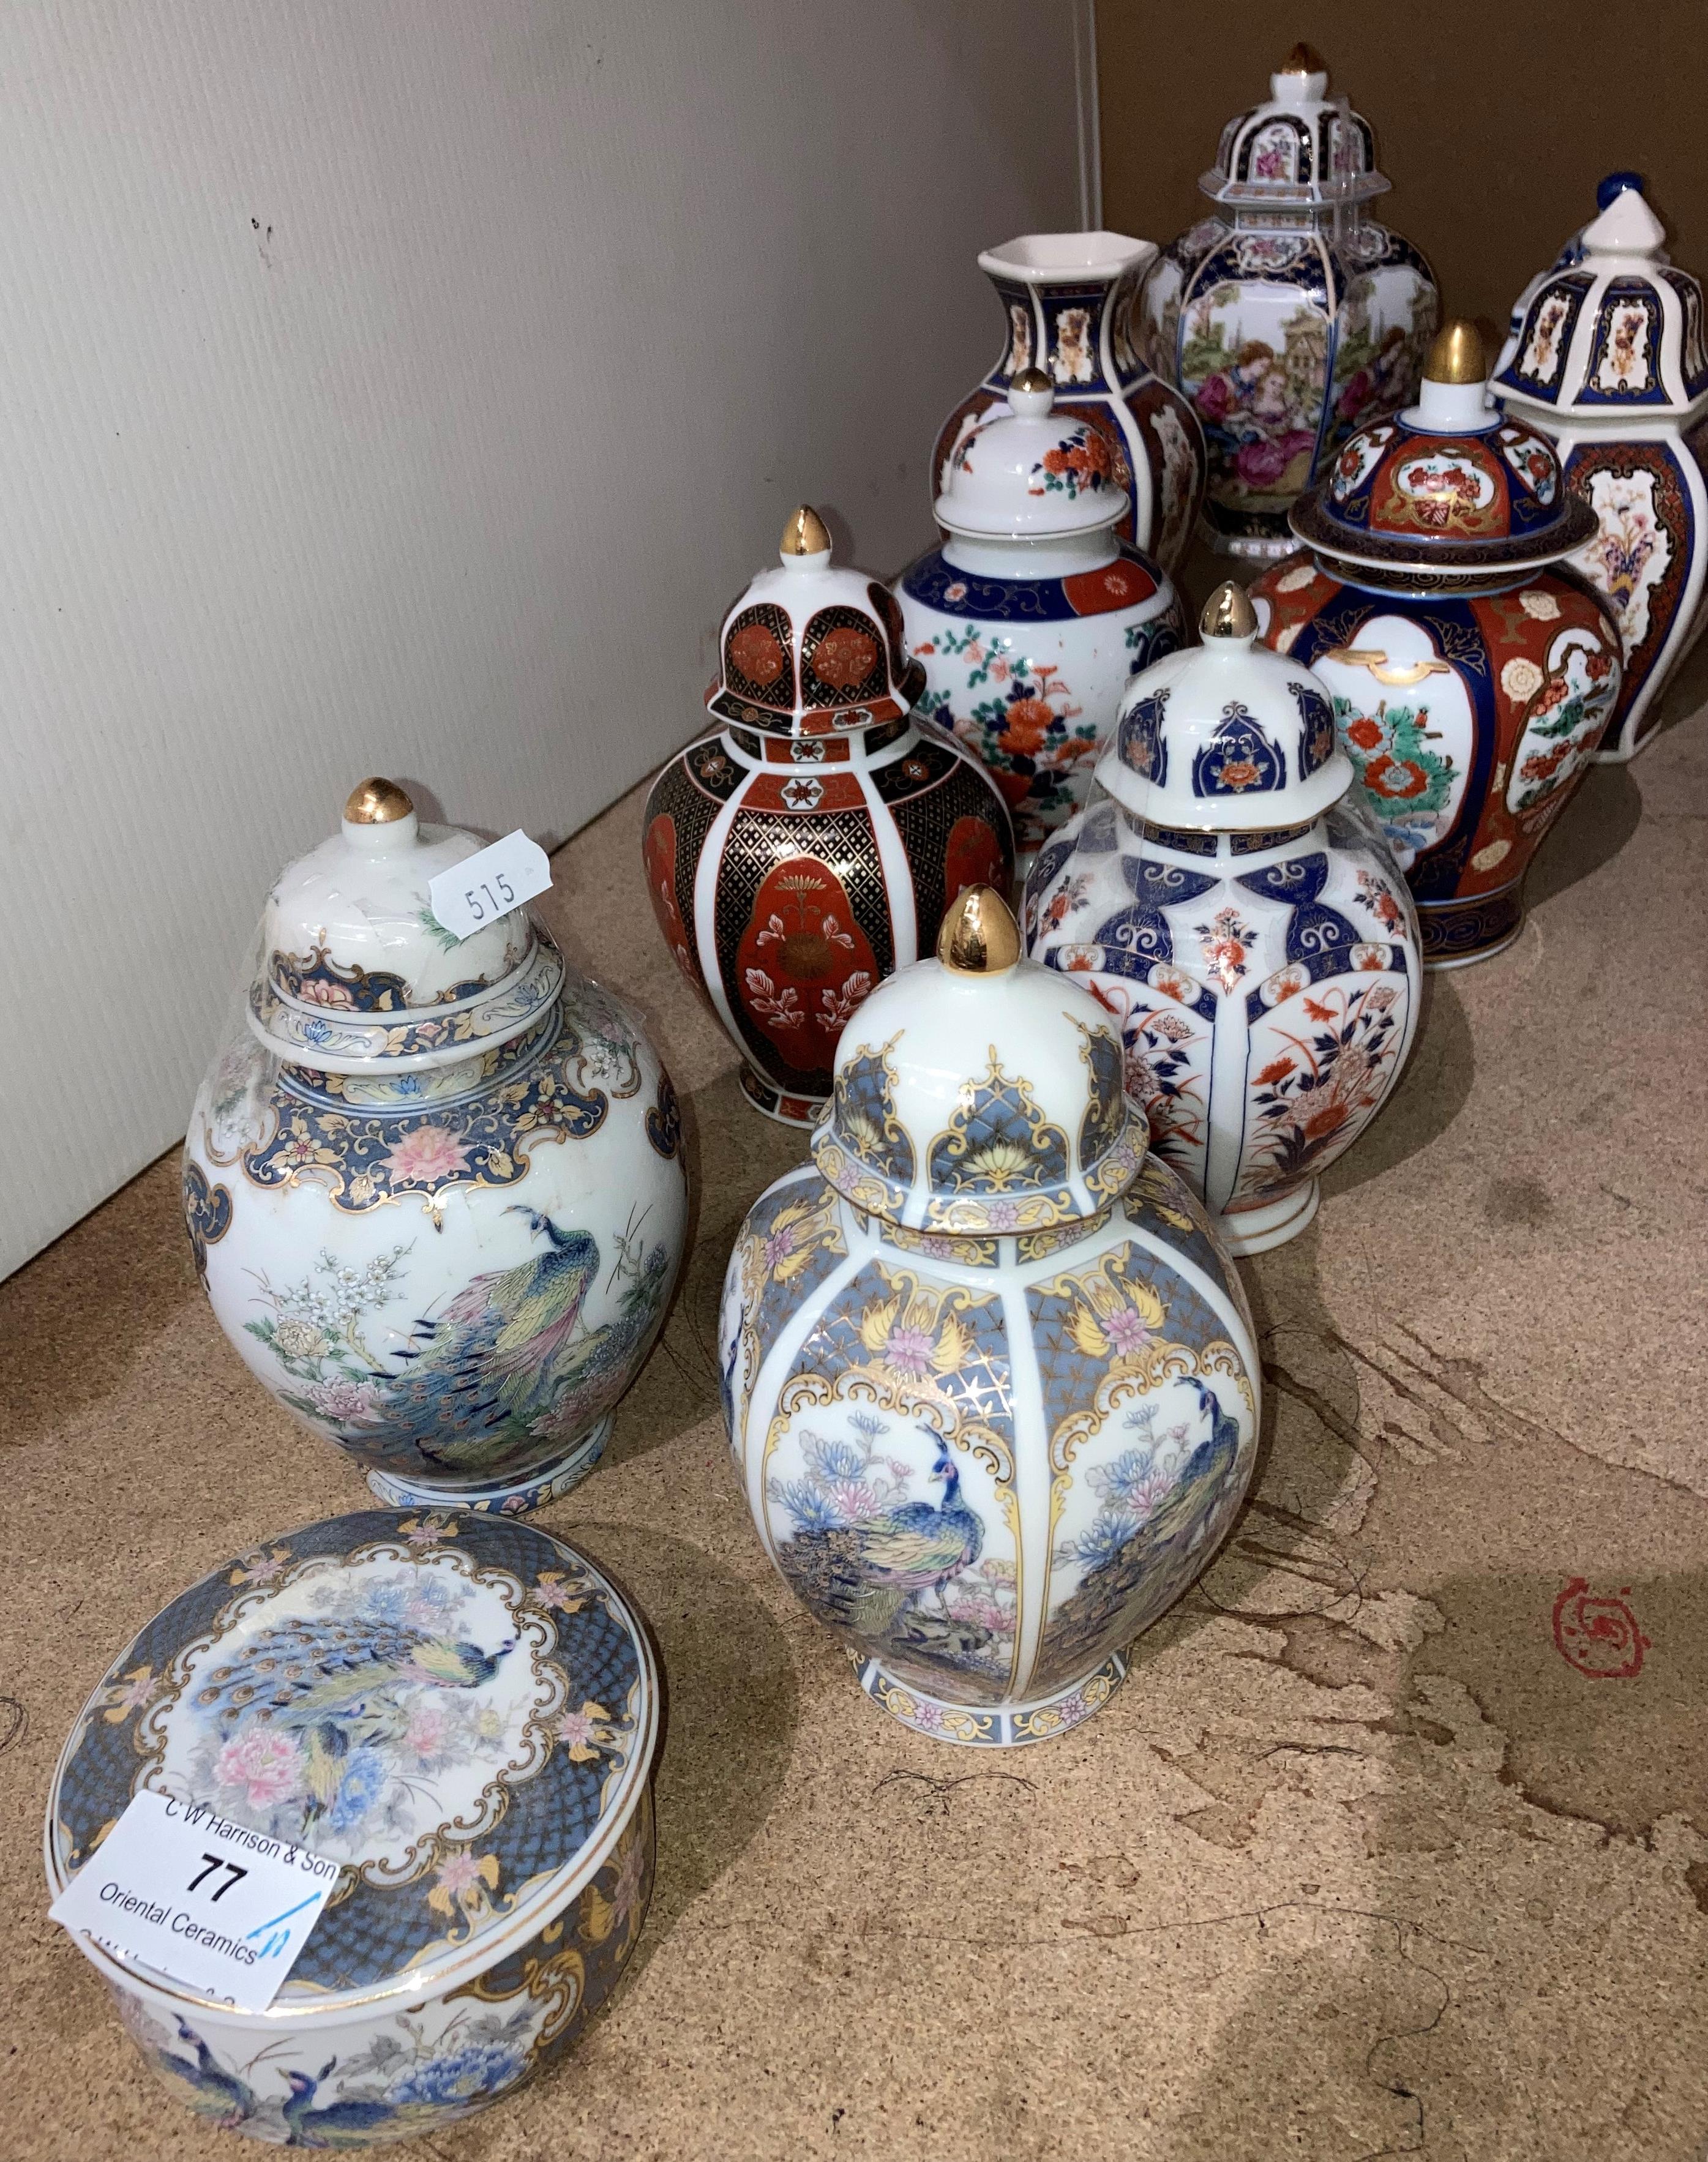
(991, 1382)
(460, 1712)
(434, 1187)
(1288, 317)
(1033, 612)
(1242, 922)
(1608, 357)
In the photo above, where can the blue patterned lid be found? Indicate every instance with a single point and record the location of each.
(458, 1708)
(1227, 737)
(1301, 147)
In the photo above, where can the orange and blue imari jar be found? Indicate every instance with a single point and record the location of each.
(1473, 674)
(991, 1384)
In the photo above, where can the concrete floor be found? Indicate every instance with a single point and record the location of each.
(1359, 1862)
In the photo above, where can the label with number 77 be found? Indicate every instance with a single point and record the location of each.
(489, 884)
(176, 1886)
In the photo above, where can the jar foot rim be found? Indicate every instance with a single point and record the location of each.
(512, 1498)
(1000, 1726)
(776, 1102)
(1255, 1231)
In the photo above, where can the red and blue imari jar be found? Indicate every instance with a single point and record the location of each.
(1033, 612)
(808, 847)
(1472, 674)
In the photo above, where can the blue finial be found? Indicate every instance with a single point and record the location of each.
(1614, 185)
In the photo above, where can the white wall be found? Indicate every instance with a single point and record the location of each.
(405, 386)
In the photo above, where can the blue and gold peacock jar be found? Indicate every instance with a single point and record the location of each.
(1288, 316)
(435, 1188)
(1238, 915)
(1031, 615)
(460, 1711)
(990, 1379)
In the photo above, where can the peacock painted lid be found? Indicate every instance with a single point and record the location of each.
(1023, 475)
(1226, 737)
(460, 1709)
(1615, 327)
(1450, 487)
(810, 650)
(980, 1092)
(355, 970)
(1300, 147)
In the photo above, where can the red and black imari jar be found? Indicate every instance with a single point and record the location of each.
(811, 846)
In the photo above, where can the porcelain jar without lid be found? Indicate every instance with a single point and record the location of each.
(1031, 615)
(435, 1188)
(1288, 316)
(1070, 300)
(1471, 679)
(1249, 934)
(809, 847)
(990, 1376)
(1609, 359)
(463, 1713)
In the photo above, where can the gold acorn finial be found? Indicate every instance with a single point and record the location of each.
(805, 534)
(979, 935)
(1031, 378)
(1456, 355)
(377, 801)
(1228, 613)
(1304, 60)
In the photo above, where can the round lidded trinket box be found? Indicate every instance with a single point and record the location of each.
(1471, 678)
(990, 1376)
(809, 847)
(1289, 316)
(1246, 929)
(1031, 615)
(1071, 302)
(460, 1711)
(1609, 358)
(435, 1188)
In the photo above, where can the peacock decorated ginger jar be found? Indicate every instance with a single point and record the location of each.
(1033, 612)
(1288, 316)
(461, 1713)
(1070, 304)
(990, 1376)
(1473, 674)
(808, 847)
(1608, 359)
(1242, 922)
(434, 1187)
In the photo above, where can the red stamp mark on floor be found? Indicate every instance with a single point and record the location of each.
(1596, 1632)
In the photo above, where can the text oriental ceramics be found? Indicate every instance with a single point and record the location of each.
(1031, 615)
(990, 1379)
(1288, 316)
(1608, 360)
(1471, 681)
(461, 1712)
(1070, 302)
(1241, 920)
(809, 847)
(434, 1187)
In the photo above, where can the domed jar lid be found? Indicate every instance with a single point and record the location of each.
(1301, 147)
(809, 649)
(1619, 329)
(979, 1092)
(1024, 475)
(1226, 737)
(459, 1710)
(1450, 488)
(357, 974)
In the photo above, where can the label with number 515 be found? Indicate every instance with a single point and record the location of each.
(489, 884)
(176, 1886)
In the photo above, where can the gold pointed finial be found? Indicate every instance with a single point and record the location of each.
(805, 534)
(1304, 60)
(1456, 355)
(377, 801)
(979, 935)
(1031, 378)
(1228, 613)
